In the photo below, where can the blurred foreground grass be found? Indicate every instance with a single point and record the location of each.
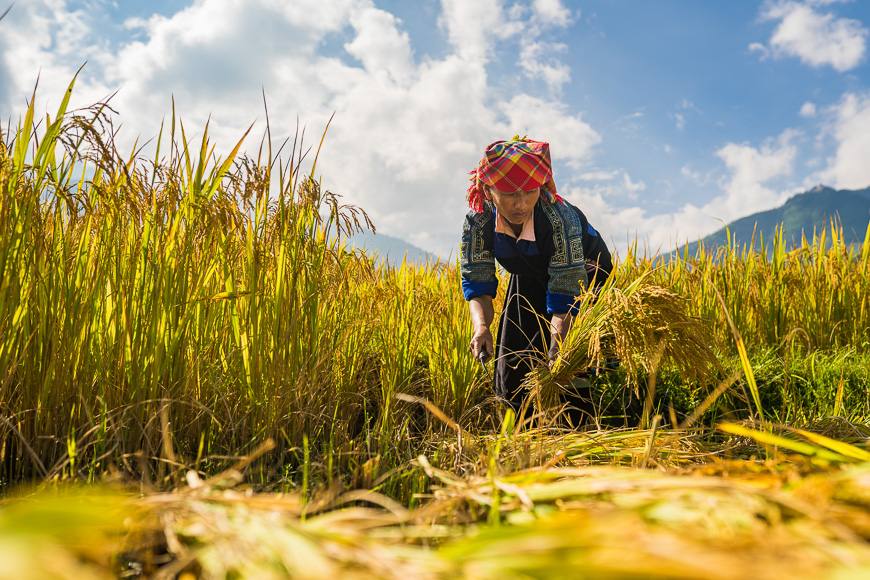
(791, 515)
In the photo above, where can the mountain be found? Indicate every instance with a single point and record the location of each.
(800, 215)
(392, 249)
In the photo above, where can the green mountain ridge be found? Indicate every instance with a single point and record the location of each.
(800, 215)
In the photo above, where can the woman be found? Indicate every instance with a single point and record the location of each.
(545, 243)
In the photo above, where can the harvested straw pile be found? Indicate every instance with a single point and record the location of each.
(790, 516)
(641, 324)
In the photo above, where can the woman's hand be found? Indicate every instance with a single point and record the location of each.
(553, 355)
(482, 343)
(481, 317)
(560, 324)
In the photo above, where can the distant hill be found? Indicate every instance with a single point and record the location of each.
(800, 215)
(392, 249)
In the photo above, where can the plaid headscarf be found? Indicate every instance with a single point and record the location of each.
(514, 165)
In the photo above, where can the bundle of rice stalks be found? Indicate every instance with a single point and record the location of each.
(651, 326)
(642, 325)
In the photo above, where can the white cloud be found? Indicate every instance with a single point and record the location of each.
(758, 47)
(743, 193)
(750, 168)
(633, 188)
(686, 107)
(695, 176)
(598, 175)
(379, 45)
(539, 61)
(613, 183)
(825, 2)
(808, 109)
(816, 39)
(571, 139)
(526, 23)
(48, 40)
(551, 12)
(849, 168)
(472, 27)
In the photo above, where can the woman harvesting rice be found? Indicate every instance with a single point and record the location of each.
(545, 243)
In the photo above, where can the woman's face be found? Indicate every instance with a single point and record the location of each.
(514, 206)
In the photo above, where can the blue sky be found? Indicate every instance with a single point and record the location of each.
(664, 116)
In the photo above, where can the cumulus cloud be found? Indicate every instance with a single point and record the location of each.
(613, 183)
(49, 41)
(539, 60)
(571, 139)
(598, 175)
(380, 46)
(850, 126)
(473, 27)
(744, 191)
(750, 168)
(552, 12)
(758, 47)
(687, 107)
(825, 2)
(632, 187)
(406, 130)
(817, 39)
(696, 177)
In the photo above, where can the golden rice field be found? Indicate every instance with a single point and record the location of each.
(199, 378)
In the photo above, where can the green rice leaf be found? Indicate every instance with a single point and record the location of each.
(778, 441)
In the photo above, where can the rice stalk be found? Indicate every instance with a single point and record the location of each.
(642, 325)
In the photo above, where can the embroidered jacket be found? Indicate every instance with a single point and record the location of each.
(564, 240)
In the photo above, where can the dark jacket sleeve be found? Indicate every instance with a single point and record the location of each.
(477, 260)
(599, 263)
(567, 267)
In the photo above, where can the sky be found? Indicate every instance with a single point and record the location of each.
(665, 118)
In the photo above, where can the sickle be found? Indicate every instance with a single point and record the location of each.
(482, 357)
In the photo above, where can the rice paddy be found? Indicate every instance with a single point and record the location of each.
(199, 378)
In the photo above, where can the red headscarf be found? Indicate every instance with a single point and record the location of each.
(514, 165)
